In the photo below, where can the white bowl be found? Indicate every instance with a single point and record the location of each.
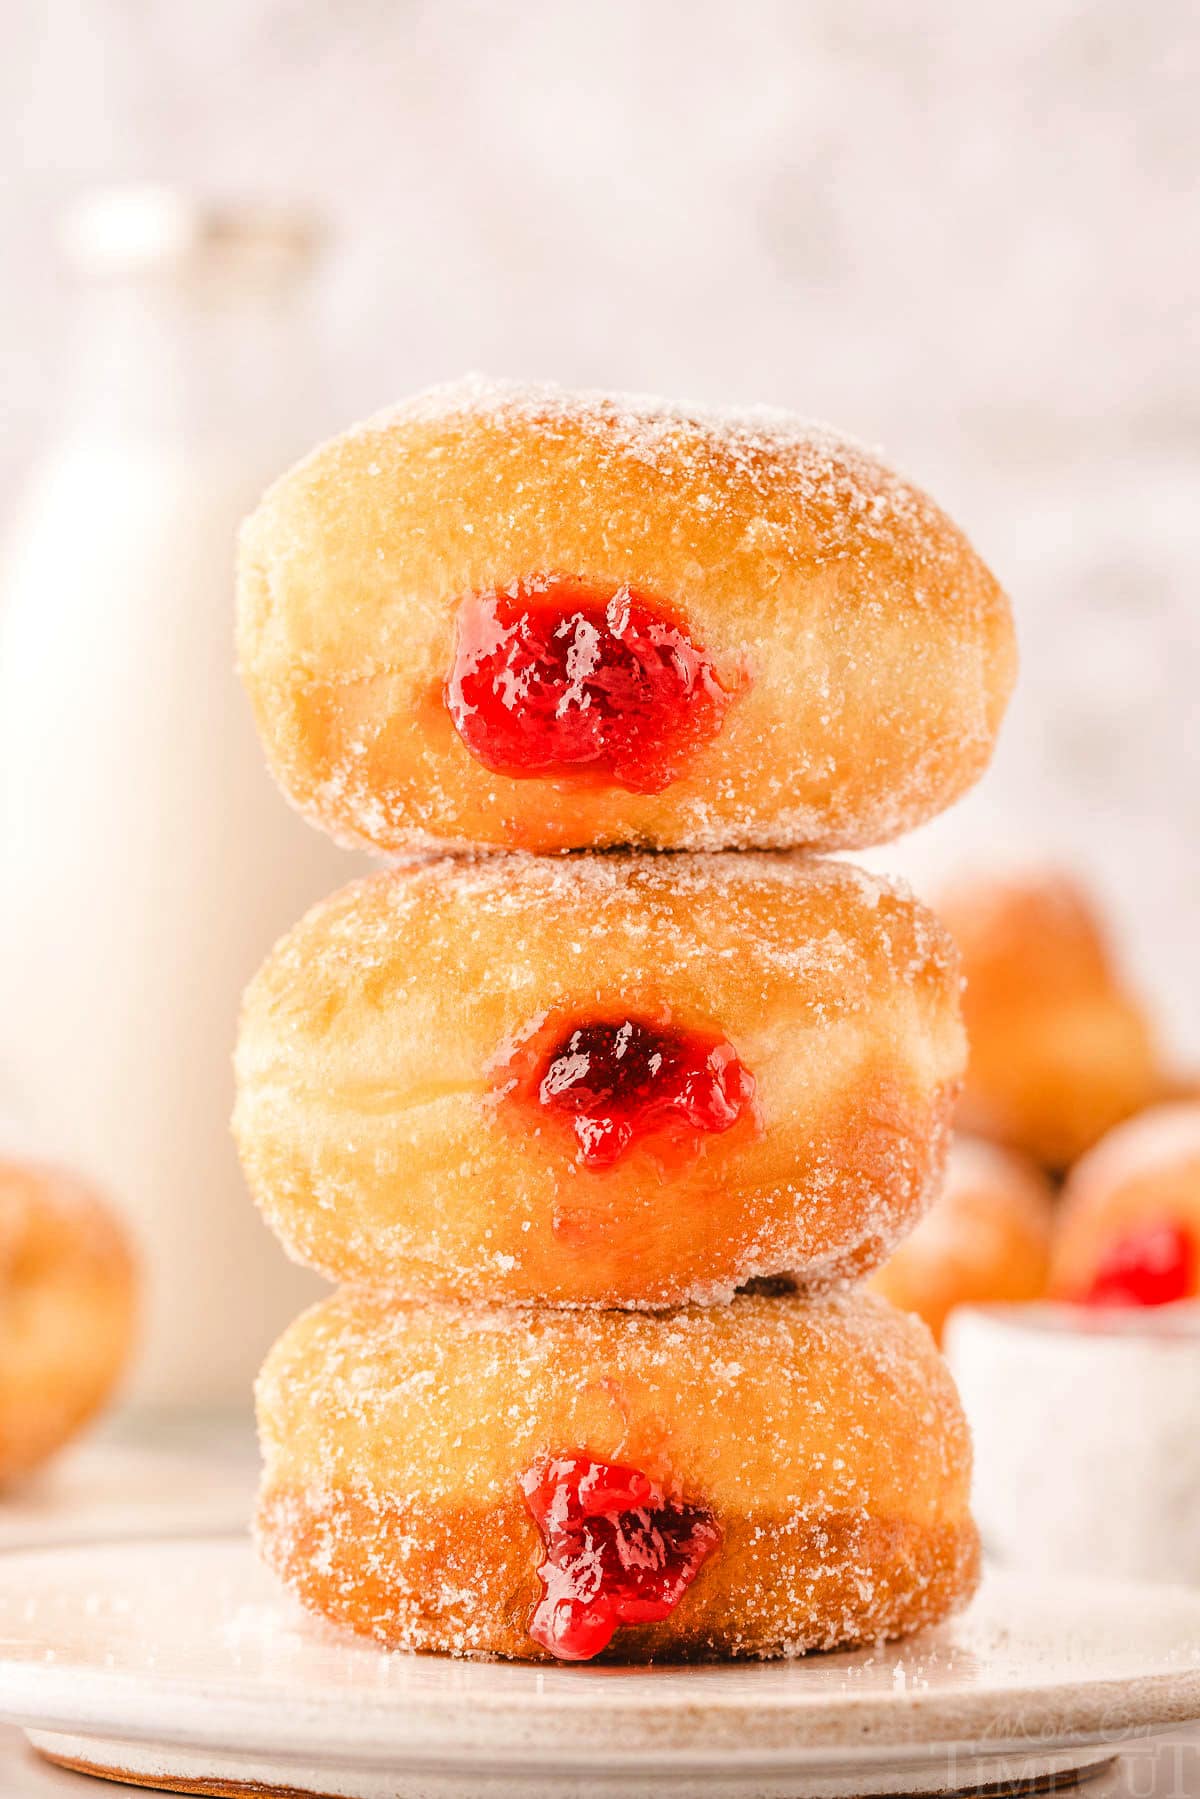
(1087, 1436)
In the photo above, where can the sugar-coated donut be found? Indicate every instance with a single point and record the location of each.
(525, 618)
(68, 1287)
(1060, 1049)
(613, 1080)
(1128, 1230)
(756, 1479)
(986, 1237)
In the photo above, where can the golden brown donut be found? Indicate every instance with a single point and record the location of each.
(801, 1470)
(1128, 1230)
(985, 1239)
(430, 1095)
(1060, 1049)
(69, 1288)
(526, 618)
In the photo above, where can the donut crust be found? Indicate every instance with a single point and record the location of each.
(69, 1281)
(826, 1437)
(984, 1240)
(1144, 1173)
(870, 650)
(1060, 1050)
(367, 1115)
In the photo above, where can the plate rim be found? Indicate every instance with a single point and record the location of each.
(589, 1709)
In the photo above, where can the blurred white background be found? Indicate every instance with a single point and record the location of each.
(967, 232)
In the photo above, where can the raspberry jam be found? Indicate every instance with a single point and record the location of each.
(1150, 1267)
(553, 677)
(616, 1551)
(624, 1079)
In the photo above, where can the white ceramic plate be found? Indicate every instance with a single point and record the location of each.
(183, 1662)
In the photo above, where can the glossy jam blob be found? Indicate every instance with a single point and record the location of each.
(624, 1079)
(616, 1551)
(1150, 1267)
(553, 677)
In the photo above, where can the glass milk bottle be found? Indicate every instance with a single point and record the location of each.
(148, 860)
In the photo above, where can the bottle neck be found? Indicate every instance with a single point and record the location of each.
(205, 363)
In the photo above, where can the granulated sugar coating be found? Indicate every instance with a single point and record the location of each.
(823, 1437)
(388, 1045)
(866, 652)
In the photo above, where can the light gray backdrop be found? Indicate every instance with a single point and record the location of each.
(968, 231)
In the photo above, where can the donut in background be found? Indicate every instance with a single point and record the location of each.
(526, 618)
(1060, 1050)
(69, 1286)
(985, 1239)
(1128, 1231)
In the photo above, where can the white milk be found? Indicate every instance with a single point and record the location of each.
(148, 860)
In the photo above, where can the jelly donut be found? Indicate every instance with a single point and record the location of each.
(756, 1479)
(986, 1238)
(1129, 1226)
(1060, 1050)
(524, 618)
(68, 1282)
(608, 1080)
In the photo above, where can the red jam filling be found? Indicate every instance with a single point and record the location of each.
(616, 1549)
(553, 677)
(1151, 1267)
(620, 1080)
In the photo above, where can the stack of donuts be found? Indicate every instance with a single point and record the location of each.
(598, 1143)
